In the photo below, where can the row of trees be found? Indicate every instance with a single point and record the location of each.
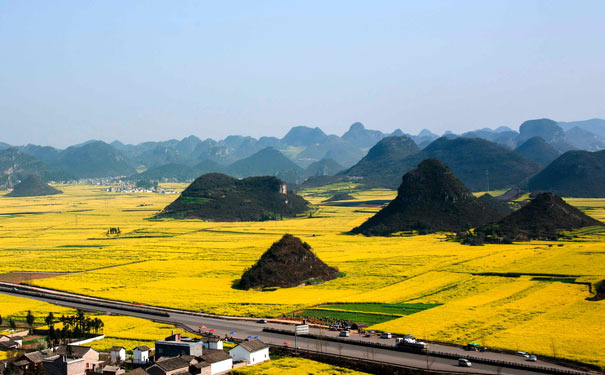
(73, 326)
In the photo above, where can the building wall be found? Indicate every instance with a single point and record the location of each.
(259, 356)
(73, 367)
(222, 366)
(239, 354)
(118, 356)
(90, 359)
(165, 349)
(140, 357)
(216, 345)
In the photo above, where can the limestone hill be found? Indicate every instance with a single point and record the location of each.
(383, 164)
(480, 164)
(498, 205)
(538, 150)
(541, 219)
(430, 199)
(32, 186)
(218, 197)
(16, 165)
(573, 174)
(288, 262)
(267, 162)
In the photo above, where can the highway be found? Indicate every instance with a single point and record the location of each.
(249, 327)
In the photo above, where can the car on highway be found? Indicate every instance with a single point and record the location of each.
(262, 321)
(523, 354)
(386, 335)
(463, 362)
(345, 334)
(532, 358)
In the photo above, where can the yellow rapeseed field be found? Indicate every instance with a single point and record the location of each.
(294, 366)
(194, 265)
(123, 331)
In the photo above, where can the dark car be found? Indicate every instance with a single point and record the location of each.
(262, 321)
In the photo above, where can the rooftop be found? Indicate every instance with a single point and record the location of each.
(253, 345)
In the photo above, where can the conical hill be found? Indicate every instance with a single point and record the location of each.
(32, 186)
(541, 219)
(288, 262)
(430, 199)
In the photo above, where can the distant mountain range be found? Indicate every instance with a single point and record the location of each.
(307, 152)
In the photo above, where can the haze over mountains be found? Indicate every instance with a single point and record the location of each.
(482, 159)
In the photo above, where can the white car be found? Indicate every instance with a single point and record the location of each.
(386, 335)
(463, 362)
(532, 358)
(523, 354)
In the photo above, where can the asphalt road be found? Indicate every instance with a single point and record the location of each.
(245, 328)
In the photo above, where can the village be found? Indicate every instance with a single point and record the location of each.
(173, 355)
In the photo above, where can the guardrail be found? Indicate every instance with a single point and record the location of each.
(29, 291)
(515, 365)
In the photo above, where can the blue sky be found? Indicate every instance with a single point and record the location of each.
(146, 70)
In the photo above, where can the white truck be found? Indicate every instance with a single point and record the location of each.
(409, 343)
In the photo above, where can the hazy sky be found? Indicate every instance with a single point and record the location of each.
(145, 70)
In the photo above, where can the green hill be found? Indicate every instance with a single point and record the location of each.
(538, 150)
(383, 165)
(266, 162)
(323, 167)
(218, 197)
(179, 172)
(287, 263)
(573, 174)
(541, 219)
(480, 164)
(16, 165)
(429, 199)
(32, 186)
(94, 159)
(547, 129)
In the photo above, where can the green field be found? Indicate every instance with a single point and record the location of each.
(368, 313)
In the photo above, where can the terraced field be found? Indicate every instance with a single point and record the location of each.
(193, 265)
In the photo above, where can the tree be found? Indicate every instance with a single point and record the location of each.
(50, 320)
(30, 318)
(11, 322)
(0, 319)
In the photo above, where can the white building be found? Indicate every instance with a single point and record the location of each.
(253, 352)
(214, 343)
(140, 355)
(220, 361)
(118, 354)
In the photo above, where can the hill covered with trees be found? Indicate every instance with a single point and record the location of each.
(218, 197)
(429, 199)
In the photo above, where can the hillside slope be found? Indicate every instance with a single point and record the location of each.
(32, 186)
(94, 159)
(573, 174)
(538, 150)
(267, 162)
(287, 263)
(218, 197)
(541, 219)
(429, 199)
(384, 162)
(16, 165)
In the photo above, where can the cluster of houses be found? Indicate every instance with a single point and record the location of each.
(175, 355)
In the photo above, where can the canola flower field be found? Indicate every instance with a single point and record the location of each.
(294, 366)
(193, 265)
(123, 331)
